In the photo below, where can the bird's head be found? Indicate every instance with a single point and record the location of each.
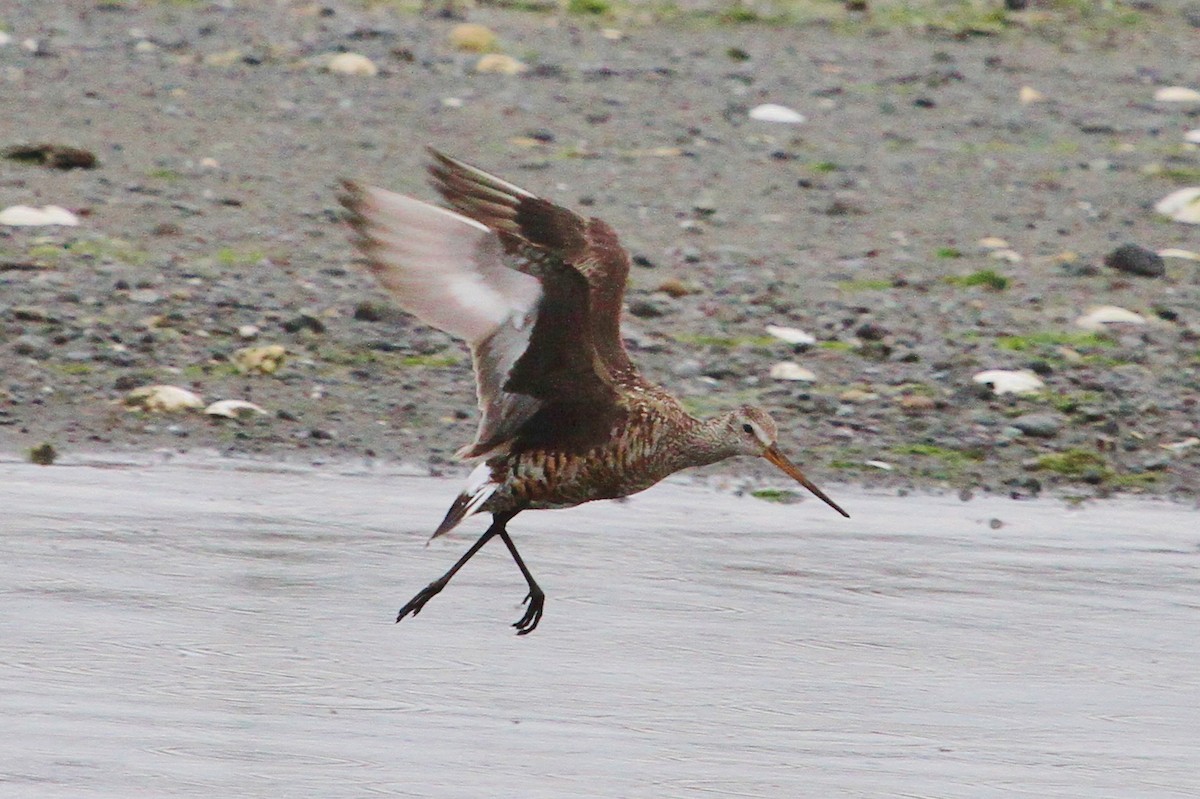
(750, 430)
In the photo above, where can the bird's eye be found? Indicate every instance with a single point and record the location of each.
(747, 429)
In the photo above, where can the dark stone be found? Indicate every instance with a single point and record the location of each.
(304, 321)
(1136, 260)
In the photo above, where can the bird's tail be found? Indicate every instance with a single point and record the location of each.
(479, 489)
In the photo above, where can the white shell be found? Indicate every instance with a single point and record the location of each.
(770, 112)
(1177, 94)
(1011, 381)
(792, 335)
(352, 64)
(163, 399)
(28, 216)
(233, 409)
(1182, 205)
(789, 370)
(1175, 252)
(1096, 318)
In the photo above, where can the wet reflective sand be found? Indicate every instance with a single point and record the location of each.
(204, 631)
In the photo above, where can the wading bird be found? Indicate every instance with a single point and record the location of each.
(536, 291)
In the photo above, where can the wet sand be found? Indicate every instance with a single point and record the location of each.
(196, 629)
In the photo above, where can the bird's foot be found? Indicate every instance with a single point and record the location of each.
(536, 601)
(414, 605)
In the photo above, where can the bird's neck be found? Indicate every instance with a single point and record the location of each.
(707, 443)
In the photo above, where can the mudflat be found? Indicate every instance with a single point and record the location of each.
(946, 207)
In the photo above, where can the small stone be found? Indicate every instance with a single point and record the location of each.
(472, 38)
(248, 332)
(675, 288)
(499, 64)
(789, 370)
(352, 64)
(234, 409)
(31, 346)
(792, 335)
(1010, 381)
(1030, 95)
(1182, 205)
(163, 399)
(28, 216)
(1038, 425)
(304, 321)
(993, 243)
(650, 307)
(770, 112)
(55, 156)
(1096, 318)
(1177, 94)
(1136, 260)
(857, 395)
(917, 403)
(1192, 136)
(263, 360)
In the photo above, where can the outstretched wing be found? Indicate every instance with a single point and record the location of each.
(589, 246)
(524, 313)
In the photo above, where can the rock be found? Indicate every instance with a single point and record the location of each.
(233, 409)
(1096, 318)
(917, 403)
(31, 346)
(163, 399)
(770, 112)
(28, 216)
(352, 64)
(792, 335)
(994, 243)
(248, 332)
(304, 321)
(789, 370)
(1182, 205)
(857, 395)
(55, 156)
(472, 38)
(263, 360)
(1136, 260)
(1177, 94)
(1192, 136)
(1038, 425)
(499, 64)
(1175, 252)
(1031, 95)
(650, 307)
(1010, 381)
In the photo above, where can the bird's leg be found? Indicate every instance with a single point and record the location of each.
(427, 593)
(535, 599)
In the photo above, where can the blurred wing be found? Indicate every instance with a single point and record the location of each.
(524, 315)
(589, 246)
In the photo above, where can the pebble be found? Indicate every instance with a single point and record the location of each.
(352, 64)
(233, 409)
(264, 360)
(789, 370)
(1182, 205)
(792, 335)
(1010, 381)
(651, 307)
(472, 37)
(32, 346)
(28, 216)
(1192, 136)
(770, 112)
(1136, 260)
(163, 399)
(1096, 318)
(499, 64)
(1177, 94)
(1038, 425)
(917, 403)
(1031, 95)
(304, 321)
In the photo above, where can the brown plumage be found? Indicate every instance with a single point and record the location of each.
(536, 291)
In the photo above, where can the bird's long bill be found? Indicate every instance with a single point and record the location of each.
(779, 459)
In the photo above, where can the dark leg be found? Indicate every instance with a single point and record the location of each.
(535, 599)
